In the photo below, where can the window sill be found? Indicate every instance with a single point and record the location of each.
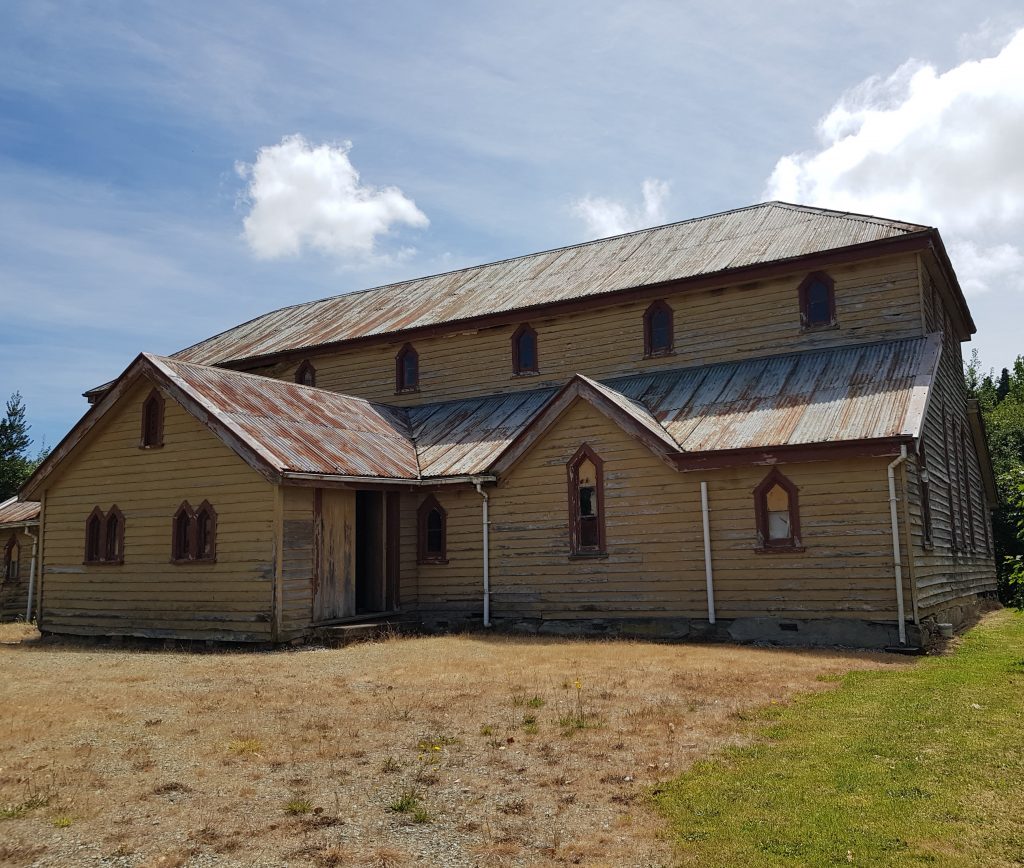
(517, 374)
(148, 446)
(119, 563)
(409, 391)
(779, 550)
(180, 561)
(587, 556)
(819, 328)
(660, 354)
(438, 561)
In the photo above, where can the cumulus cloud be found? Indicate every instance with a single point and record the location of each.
(936, 148)
(604, 217)
(303, 196)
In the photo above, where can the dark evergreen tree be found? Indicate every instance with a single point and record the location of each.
(1003, 388)
(15, 465)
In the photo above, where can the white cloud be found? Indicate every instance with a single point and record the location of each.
(604, 217)
(303, 196)
(940, 149)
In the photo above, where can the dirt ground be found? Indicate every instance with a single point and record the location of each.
(449, 751)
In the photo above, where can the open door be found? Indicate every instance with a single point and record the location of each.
(356, 536)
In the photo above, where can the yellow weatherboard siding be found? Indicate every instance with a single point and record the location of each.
(655, 562)
(875, 300)
(148, 595)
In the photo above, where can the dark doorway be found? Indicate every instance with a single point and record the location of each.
(370, 553)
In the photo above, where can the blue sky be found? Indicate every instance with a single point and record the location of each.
(144, 148)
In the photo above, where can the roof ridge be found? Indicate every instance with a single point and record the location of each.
(860, 215)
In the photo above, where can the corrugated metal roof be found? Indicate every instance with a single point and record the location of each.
(14, 512)
(821, 396)
(300, 429)
(866, 392)
(759, 234)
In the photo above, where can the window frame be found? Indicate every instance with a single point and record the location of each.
(12, 564)
(576, 547)
(401, 385)
(803, 293)
(518, 368)
(423, 556)
(101, 555)
(190, 553)
(306, 367)
(650, 352)
(765, 544)
(152, 438)
(925, 487)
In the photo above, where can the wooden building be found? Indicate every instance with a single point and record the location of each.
(19, 529)
(751, 425)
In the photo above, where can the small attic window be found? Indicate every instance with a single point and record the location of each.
(524, 350)
(305, 374)
(817, 295)
(659, 339)
(407, 369)
(152, 421)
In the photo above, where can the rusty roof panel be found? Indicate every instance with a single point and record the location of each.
(300, 429)
(762, 233)
(17, 512)
(820, 396)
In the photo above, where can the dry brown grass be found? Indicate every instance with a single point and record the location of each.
(507, 751)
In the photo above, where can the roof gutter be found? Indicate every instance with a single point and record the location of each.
(298, 478)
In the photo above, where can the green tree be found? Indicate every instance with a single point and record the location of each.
(15, 465)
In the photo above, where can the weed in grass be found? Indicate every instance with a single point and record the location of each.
(245, 747)
(407, 802)
(535, 702)
(298, 805)
(420, 815)
(62, 821)
(486, 729)
(20, 809)
(518, 807)
(390, 766)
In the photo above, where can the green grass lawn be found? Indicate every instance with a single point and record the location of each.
(920, 766)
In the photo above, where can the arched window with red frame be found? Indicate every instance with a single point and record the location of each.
(586, 503)
(432, 532)
(113, 536)
(152, 435)
(777, 513)
(817, 293)
(182, 533)
(94, 536)
(524, 350)
(305, 374)
(206, 532)
(659, 330)
(12, 559)
(407, 369)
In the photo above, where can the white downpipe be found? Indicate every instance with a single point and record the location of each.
(896, 557)
(707, 551)
(487, 553)
(31, 576)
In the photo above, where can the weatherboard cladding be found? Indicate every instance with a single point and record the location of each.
(768, 232)
(18, 512)
(820, 396)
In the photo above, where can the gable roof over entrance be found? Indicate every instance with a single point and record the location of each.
(869, 394)
(726, 243)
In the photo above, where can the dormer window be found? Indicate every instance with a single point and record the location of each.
(305, 374)
(407, 369)
(659, 339)
(817, 302)
(777, 514)
(524, 350)
(152, 421)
